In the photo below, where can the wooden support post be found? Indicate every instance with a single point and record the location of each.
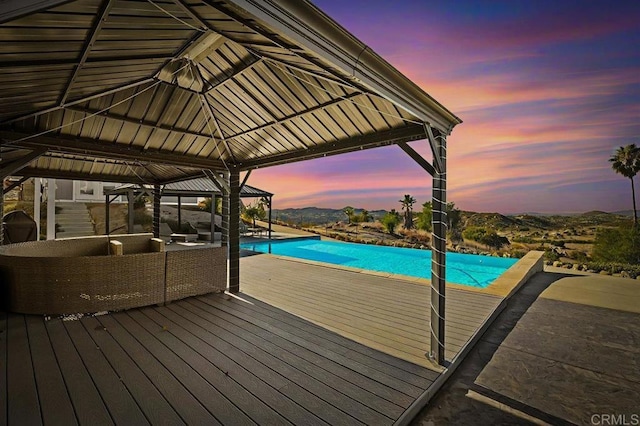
(51, 209)
(234, 231)
(130, 210)
(107, 205)
(225, 215)
(156, 211)
(270, 209)
(213, 217)
(438, 254)
(37, 200)
(180, 213)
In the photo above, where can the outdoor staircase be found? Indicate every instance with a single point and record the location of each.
(73, 220)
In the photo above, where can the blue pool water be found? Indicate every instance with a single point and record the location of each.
(466, 269)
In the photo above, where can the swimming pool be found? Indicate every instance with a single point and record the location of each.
(466, 269)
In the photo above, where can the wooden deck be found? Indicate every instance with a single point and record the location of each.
(390, 315)
(250, 359)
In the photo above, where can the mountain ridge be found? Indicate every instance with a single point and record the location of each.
(498, 221)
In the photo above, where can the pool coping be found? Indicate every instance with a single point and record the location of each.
(503, 286)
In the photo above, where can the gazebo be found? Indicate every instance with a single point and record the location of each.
(199, 187)
(156, 92)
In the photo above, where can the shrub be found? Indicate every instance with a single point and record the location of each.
(205, 205)
(579, 256)
(620, 245)
(615, 268)
(140, 202)
(485, 236)
(390, 221)
(551, 255)
(141, 217)
(524, 240)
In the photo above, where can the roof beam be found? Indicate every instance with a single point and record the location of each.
(61, 174)
(236, 72)
(16, 184)
(100, 19)
(12, 9)
(141, 123)
(96, 61)
(81, 100)
(296, 115)
(200, 49)
(417, 158)
(405, 134)
(295, 50)
(208, 110)
(218, 181)
(434, 150)
(19, 163)
(246, 178)
(91, 147)
(279, 63)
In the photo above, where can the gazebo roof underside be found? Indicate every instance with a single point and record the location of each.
(155, 92)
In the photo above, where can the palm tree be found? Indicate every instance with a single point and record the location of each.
(626, 161)
(407, 205)
(253, 212)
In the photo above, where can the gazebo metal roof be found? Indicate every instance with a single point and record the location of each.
(200, 187)
(155, 91)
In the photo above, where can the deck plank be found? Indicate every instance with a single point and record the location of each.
(214, 401)
(216, 369)
(153, 404)
(329, 412)
(321, 355)
(187, 407)
(56, 405)
(271, 316)
(361, 389)
(120, 403)
(23, 405)
(87, 402)
(254, 396)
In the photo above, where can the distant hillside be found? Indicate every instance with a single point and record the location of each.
(497, 221)
(624, 213)
(318, 216)
(528, 221)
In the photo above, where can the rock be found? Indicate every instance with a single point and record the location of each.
(557, 264)
(625, 274)
(605, 273)
(577, 267)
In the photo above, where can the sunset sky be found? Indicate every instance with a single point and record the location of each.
(546, 89)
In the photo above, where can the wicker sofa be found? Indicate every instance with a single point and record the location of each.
(100, 273)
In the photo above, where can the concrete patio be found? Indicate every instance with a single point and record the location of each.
(564, 351)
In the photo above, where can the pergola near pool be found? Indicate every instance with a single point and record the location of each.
(154, 92)
(199, 187)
